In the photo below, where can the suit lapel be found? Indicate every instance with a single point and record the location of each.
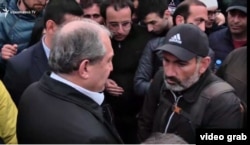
(99, 115)
(40, 61)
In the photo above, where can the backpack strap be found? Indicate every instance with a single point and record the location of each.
(196, 113)
(216, 88)
(212, 90)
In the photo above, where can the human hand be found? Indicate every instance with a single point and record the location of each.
(112, 88)
(220, 19)
(8, 51)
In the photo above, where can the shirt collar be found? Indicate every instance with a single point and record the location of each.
(45, 48)
(95, 96)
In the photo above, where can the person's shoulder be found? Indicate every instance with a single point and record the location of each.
(240, 50)
(157, 39)
(3, 92)
(239, 54)
(7, 20)
(155, 42)
(216, 86)
(26, 54)
(220, 32)
(141, 30)
(2, 87)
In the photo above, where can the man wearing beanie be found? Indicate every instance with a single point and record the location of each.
(216, 19)
(185, 95)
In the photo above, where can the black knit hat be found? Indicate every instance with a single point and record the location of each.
(186, 41)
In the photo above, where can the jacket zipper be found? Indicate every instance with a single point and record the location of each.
(172, 114)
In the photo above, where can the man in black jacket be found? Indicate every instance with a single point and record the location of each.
(189, 11)
(177, 101)
(64, 107)
(128, 43)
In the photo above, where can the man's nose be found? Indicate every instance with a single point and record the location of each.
(120, 29)
(150, 28)
(170, 70)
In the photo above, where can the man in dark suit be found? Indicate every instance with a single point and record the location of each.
(64, 106)
(28, 66)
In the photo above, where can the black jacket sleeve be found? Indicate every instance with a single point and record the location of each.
(147, 66)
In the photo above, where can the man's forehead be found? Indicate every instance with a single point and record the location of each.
(195, 7)
(198, 11)
(112, 12)
(93, 6)
(122, 14)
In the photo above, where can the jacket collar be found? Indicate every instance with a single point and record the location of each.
(69, 94)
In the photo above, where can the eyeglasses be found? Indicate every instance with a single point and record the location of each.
(126, 25)
(95, 16)
(213, 13)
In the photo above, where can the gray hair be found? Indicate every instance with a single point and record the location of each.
(162, 138)
(76, 41)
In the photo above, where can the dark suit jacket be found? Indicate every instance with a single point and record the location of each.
(24, 69)
(51, 112)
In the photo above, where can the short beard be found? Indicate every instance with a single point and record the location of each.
(185, 84)
(28, 8)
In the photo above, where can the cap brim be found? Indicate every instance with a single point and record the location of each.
(179, 52)
(241, 8)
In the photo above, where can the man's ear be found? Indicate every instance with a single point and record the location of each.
(204, 64)
(50, 26)
(179, 20)
(84, 69)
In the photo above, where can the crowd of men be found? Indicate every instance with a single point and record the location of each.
(121, 71)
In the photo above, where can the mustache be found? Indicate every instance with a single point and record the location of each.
(39, 4)
(235, 25)
(174, 79)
